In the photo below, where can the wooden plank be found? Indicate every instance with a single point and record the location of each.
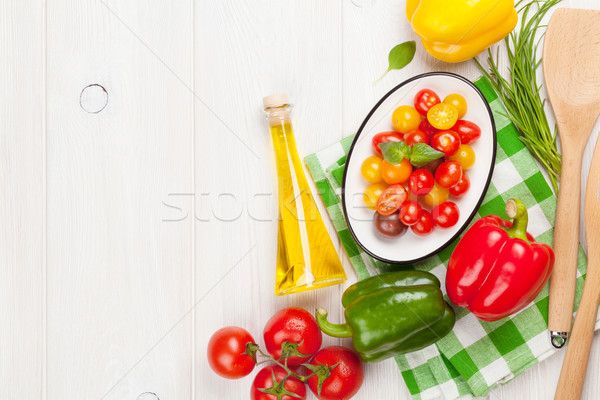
(118, 275)
(22, 199)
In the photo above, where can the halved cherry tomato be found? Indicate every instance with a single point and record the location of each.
(410, 212)
(465, 156)
(425, 99)
(371, 169)
(424, 225)
(416, 136)
(372, 193)
(448, 142)
(226, 352)
(436, 196)
(421, 182)
(446, 214)
(458, 102)
(405, 119)
(391, 199)
(448, 174)
(442, 116)
(462, 186)
(467, 130)
(396, 173)
(383, 137)
(426, 127)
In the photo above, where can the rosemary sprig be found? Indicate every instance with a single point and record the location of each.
(521, 93)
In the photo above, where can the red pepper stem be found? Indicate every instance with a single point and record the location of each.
(516, 210)
(335, 330)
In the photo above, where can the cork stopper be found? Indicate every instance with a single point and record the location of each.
(275, 100)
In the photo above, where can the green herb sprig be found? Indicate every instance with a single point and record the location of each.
(400, 56)
(520, 93)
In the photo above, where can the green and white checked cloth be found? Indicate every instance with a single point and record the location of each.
(476, 355)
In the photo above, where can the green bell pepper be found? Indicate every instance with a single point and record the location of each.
(391, 314)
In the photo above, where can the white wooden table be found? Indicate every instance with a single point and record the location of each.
(128, 236)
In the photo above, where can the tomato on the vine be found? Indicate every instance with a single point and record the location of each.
(264, 380)
(448, 142)
(371, 169)
(421, 182)
(383, 137)
(448, 174)
(442, 116)
(299, 328)
(396, 173)
(416, 136)
(405, 119)
(425, 99)
(346, 377)
(424, 225)
(458, 102)
(410, 212)
(436, 196)
(446, 214)
(467, 130)
(462, 186)
(465, 156)
(226, 352)
(391, 199)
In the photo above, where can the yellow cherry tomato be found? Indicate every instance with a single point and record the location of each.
(465, 156)
(442, 116)
(371, 169)
(372, 193)
(436, 196)
(406, 119)
(395, 173)
(458, 102)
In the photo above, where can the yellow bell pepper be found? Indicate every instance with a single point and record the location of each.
(456, 30)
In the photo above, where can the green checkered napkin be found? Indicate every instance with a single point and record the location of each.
(476, 355)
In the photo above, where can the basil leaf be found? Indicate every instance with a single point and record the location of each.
(400, 56)
(423, 153)
(395, 152)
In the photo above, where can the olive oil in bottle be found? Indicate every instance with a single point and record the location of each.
(306, 258)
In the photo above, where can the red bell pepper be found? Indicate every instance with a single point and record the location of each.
(497, 267)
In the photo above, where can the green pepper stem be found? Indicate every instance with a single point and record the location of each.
(516, 210)
(335, 330)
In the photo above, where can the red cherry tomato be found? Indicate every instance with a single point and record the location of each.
(264, 380)
(421, 182)
(462, 186)
(410, 212)
(226, 352)
(424, 225)
(416, 136)
(448, 174)
(446, 214)
(467, 130)
(425, 99)
(391, 136)
(294, 325)
(447, 142)
(432, 166)
(426, 127)
(391, 199)
(345, 379)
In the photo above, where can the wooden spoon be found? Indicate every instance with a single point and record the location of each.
(571, 62)
(572, 374)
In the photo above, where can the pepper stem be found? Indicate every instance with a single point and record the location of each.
(516, 210)
(335, 330)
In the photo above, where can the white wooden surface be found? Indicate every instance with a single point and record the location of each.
(127, 237)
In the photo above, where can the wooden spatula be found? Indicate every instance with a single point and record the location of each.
(572, 374)
(571, 63)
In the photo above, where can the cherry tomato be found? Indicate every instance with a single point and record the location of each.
(468, 131)
(465, 156)
(448, 174)
(396, 173)
(447, 142)
(462, 186)
(410, 212)
(437, 196)
(421, 182)
(426, 127)
(416, 136)
(388, 226)
(226, 352)
(372, 194)
(383, 137)
(458, 102)
(425, 99)
(446, 214)
(371, 169)
(432, 166)
(405, 119)
(391, 199)
(442, 116)
(264, 380)
(345, 379)
(294, 325)
(424, 225)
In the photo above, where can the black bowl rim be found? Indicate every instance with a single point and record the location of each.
(483, 193)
